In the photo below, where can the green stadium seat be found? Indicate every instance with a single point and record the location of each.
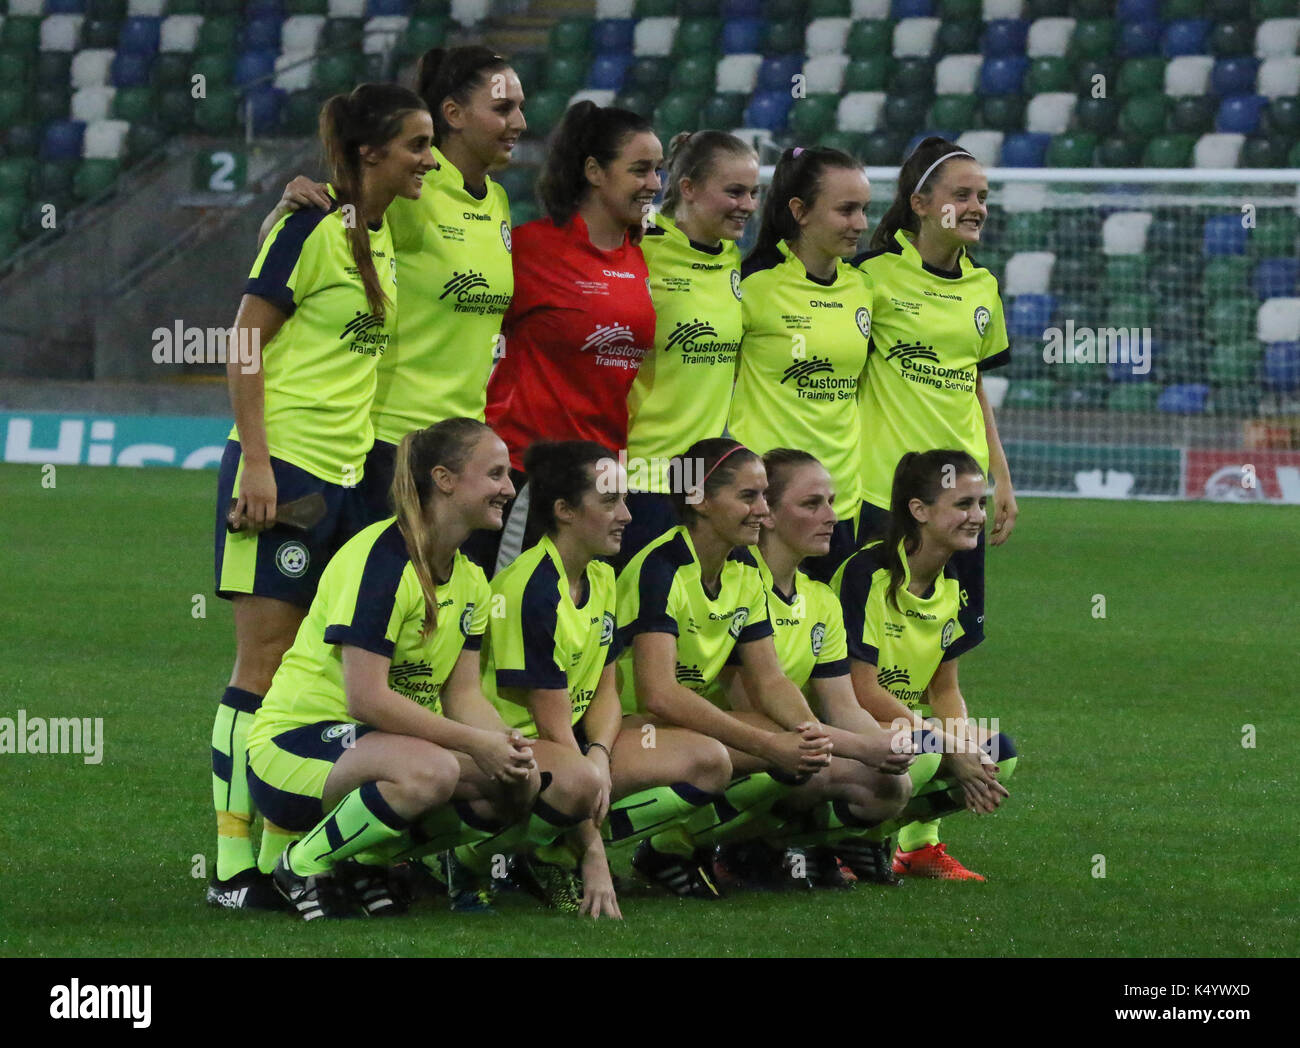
(1137, 310)
(784, 8)
(1283, 117)
(1083, 390)
(868, 74)
(99, 32)
(1095, 77)
(1096, 115)
(1034, 393)
(1262, 9)
(342, 32)
(954, 112)
(884, 148)
(1230, 319)
(16, 65)
(1133, 397)
(1141, 76)
(1073, 275)
(134, 103)
(23, 140)
(640, 102)
(1003, 112)
(1093, 38)
(1174, 232)
(222, 7)
(217, 69)
(846, 142)
(1144, 115)
(1049, 74)
(1073, 149)
(697, 37)
(1263, 151)
(14, 104)
(52, 179)
(724, 111)
(424, 32)
(1025, 230)
(95, 176)
(955, 9)
(334, 74)
(53, 67)
(176, 110)
(814, 116)
(143, 140)
(870, 37)
(1235, 362)
(677, 112)
(1225, 274)
(218, 114)
(1124, 274)
(1193, 115)
(171, 70)
(695, 73)
(782, 37)
(570, 36)
(12, 206)
(648, 73)
(1177, 278)
(51, 103)
(1232, 39)
(15, 174)
(914, 76)
(300, 114)
(959, 37)
(1275, 234)
(544, 110)
(655, 8)
(829, 9)
(21, 31)
(1169, 151)
(216, 35)
(565, 72)
(906, 112)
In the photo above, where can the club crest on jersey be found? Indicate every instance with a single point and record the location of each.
(735, 283)
(949, 628)
(466, 617)
(738, 620)
(392, 264)
(863, 317)
(818, 636)
(607, 630)
(505, 236)
(292, 559)
(981, 319)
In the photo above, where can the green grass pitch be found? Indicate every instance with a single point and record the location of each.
(1131, 729)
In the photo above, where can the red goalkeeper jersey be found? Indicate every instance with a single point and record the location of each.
(577, 328)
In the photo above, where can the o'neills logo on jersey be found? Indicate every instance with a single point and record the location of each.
(896, 681)
(415, 681)
(912, 361)
(365, 338)
(803, 373)
(614, 346)
(465, 287)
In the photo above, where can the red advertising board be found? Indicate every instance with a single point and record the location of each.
(1250, 475)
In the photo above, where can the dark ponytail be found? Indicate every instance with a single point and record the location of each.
(692, 154)
(558, 471)
(714, 461)
(587, 130)
(454, 73)
(372, 116)
(919, 475)
(900, 214)
(798, 174)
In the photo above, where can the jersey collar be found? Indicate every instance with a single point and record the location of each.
(578, 228)
(907, 575)
(914, 258)
(558, 561)
(796, 261)
(787, 598)
(672, 229)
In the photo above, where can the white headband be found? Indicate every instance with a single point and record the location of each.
(946, 156)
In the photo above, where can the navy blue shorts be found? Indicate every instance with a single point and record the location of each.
(287, 775)
(377, 480)
(283, 563)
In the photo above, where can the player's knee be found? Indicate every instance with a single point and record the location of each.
(574, 785)
(428, 776)
(710, 768)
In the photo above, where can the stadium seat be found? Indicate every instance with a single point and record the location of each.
(874, 37)
(1263, 151)
(884, 147)
(1276, 234)
(1234, 76)
(298, 115)
(1232, 39)
(1125, 232)
(293, 74)
(302, 33)
(1279, 77)
(1235, 362)
(698, 36)
(870, 74)
(1188, 75)
(613, 35)
(1139, 39)
(723, 111)
(1277, 278)
(94, 177)
(911, 8)
(1093, 38)
(811, 117)
(860, 111)
(1280, 369)
(382, 33)
(1029, 273)
(737, 73)
(60, 32)
(1049, 37)
(219, 113)
(1025, 150)
(782, 36)
(254, 65)
(1048, 75)
(1188, 36)
(825, 36)
(545, 108)
(846, 142)
(777, 73)
(91, 103)
(769, 110)
(91, 67)
(1169, 151)
(217, 34)
(140, 35)
(1050, 113)
(905, 112)
(62, 140)
(1074, 149)
(914, 76)
(1240, 114)
(914, 37)
(1124, 274)
(565, 72)
(1139, 76)
(215, 69)
(958, 38)
(1143, 115)
(129, 69)
(15, 173)
(677, 112)
(51, 103)
(1217, 150)
(1096, 115)
(695, 74)
(730, 8)
(1032, 394)
(337, 73)
(608, 71)
(1193, 115)
(1278, 36)
(824, 74)
(957, 111)
(570, 36)
(423, 32)
(1137, 10)
(1025, 230)
(654, 36)
(1186, 398)
(1224, 235)
(1003, 112)
(175, 111)
(1278, 320)
(648, 74)
(957, 74)
(742, 36)
(53, 68)
(179, 34)
(1003, 75)
(1004, 37)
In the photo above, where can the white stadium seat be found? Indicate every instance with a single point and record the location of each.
(757, 137)
(827, 36)
(179, 34)
(105, 139)
(1278, 76)
(957, 74)
(865, 9)
(1003, 9)
(60, 32)
(1275, 37)
(1050, 112)
(1125, 233)
(737, 74)
(1188, 75)
(824, 74)
(26, 7)
(302, 33)
(383, 33)
(145, 8)
(1217, 150)
(984, 146)
(860, 111)
(1278, 320)
(1049, 37)
(1025, 196)
(347, 8)
(915, 36)
(654, 36)
(92, 103)
(469, 13)
(1028, 273)
(615, 8)
(293, 70)
(90, 67)
(601, 96)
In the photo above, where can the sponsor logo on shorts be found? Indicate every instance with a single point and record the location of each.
(981, 319)
(818, 637)
(292, 559)
(607, 630)
(949, 628)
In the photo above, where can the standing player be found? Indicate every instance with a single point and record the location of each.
(682, 392)
(320, 304)
(581, 318)
(686, 602)
(902, 616)
(938, 326)
(453, 255)
(350, 744)
(807, 325)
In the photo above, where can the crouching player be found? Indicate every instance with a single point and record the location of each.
(351, 747)
(901, 614)
(687, 602)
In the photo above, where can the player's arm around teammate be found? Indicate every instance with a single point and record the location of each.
(317, 312)
(682, 391)
(807, 316)
(902, 618)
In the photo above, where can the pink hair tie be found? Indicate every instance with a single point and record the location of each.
(738, 447)
(797, 151)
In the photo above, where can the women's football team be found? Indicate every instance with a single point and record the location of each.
(600, 537)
